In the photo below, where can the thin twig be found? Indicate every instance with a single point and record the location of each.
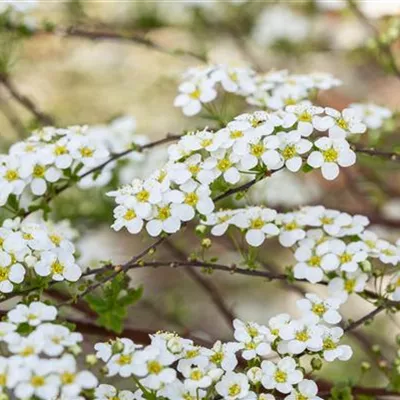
(29, 104)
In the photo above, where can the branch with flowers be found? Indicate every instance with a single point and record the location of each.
(201, 188)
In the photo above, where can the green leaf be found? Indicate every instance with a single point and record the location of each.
(112, 302)
(341, 391)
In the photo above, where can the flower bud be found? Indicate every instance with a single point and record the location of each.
(91, 359)
(316, 364)
(365, 366)
(117, 347)
(206, 243)
(75, 350)
(200, 229)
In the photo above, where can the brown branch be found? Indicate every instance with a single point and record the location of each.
(393, 156)
(29, 104)
(366, 317)
(114, 157)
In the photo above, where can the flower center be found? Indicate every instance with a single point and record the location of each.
(280, 376)
(349, 285)
(194, 169)
(4, 272)
(305, 116)
(129, 215)
(345, 258)
(302, 336)
(67, 378)
(37, 381)
(164, 213)
(154, 367)
(256, 223)
(217, 357)
(342, 124)
(86, 152)
(236, 134)
(326, 220)
(60, 150)
(55, 239)
(195, 94)
(257, 149)
(27, 351)
(291, 226)
(289, 152)
(206, 142)
(290, 101)
(314, 261)
(319, 309)
(3, 379)
(234, 390)
(196, 375)
(57, 267)
(191, 199)
(124, 359)
(329, 344)
(224, 164)
(143, 196)
(192, 353)
(330, 155)
(11, 175)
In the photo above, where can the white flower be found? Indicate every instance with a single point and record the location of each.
(233, 386)
(225, 164)
(193, 95)
(166, 218)
(332, 153)
(306, 390)
(126, 216)
(300, 336)
(57, 338)
(11, 181)
(255, 340)
(306, 115)
(312, 262)
(222, 355)
(59, 264)
(199, 376)
(178, 391)
(156, 368)
(290, 225)
(220, 221)
(195, 198)
(258, 223)
(39, 171)
(344, 123)
(316, 309)
(279, 22)
(331, 349)
(9, 274)
(108, 392)
(372, 116)
(292, 147)
(130, 360)
(353, 282)
(281, 376)
(347, 256)
(39, 381)
(73, 381)
(33, 314)
(276, 323)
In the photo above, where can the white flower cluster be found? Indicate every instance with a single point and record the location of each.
(371, 115)
(273, 90)
(39, 359)
(280, 23)
(327, 244)
(176, 368)
(251, 145)
(51, 157)
(29, 248)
